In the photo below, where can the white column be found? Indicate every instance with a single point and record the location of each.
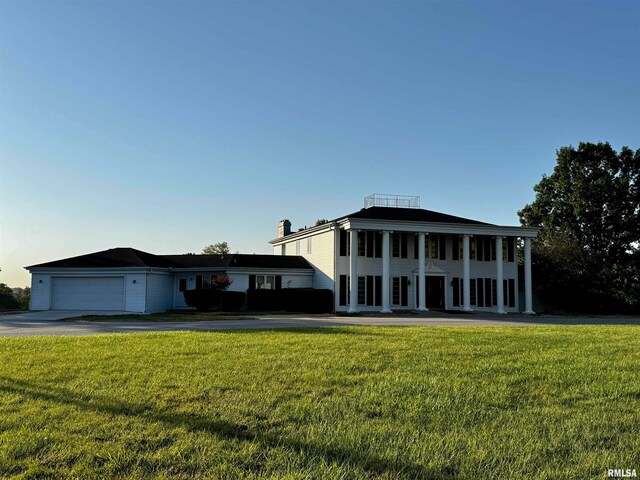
(422, 285)
(353, 272)
(385, 273)
(466, 279)
(528, 303)
(499, 275)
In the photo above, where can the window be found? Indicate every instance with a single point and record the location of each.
(309, 245)
(361, 244)
(203, 281)
(509, 292)
(370, 244)
(488, 295)
(344, 290)
(456, 250)
(510, 249)
(484, 292)
(374, 244)
(399, 245)
(400, 289)
(182, 284)
(344, 243)
(265, 282)
(472, 291)
(370, 290)
(456, 292)
(284, 249)
(361, 291)
(395, 290)
(494, 292)
(297, 247)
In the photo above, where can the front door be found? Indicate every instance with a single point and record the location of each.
(435, 292)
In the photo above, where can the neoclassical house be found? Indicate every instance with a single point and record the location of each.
(394, 255)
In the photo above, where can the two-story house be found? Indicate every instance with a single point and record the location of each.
(393, 255)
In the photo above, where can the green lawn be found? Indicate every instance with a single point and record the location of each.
(347, 402)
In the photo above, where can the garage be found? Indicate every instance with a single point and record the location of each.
(87, 293)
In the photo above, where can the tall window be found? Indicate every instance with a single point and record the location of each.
(297, 247)
(370, 290)
(361, 291)
(344, 290)
(399, 244)
(509, 292)
(482, 248)
(345, 247)
(399, 291)
(309, 245)
(511, 247)
(182, 284)
(371, 244)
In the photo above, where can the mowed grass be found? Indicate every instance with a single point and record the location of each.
(344, 402)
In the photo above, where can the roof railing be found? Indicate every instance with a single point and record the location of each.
(394, 201)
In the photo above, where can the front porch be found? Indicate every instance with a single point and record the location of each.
(461, 272)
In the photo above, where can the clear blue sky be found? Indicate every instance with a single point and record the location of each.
(168, 126)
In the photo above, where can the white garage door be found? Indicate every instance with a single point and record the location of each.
(87, 293)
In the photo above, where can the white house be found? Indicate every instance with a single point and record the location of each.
(125, 279)
(393, 255)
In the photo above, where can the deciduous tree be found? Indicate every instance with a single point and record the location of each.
(588, 210)
(220, 248)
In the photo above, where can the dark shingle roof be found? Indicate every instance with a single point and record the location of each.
(409, 215)
(238, 260)
(130, 257)
(112, 258)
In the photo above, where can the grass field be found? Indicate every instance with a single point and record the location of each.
(347, 402)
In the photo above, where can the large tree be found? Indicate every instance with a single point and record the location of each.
(220, 248)
(587, 254)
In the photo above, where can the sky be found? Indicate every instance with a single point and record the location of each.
(167, 126)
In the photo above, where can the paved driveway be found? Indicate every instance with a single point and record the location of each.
(47, 323)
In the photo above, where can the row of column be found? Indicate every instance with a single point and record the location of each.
(353, 270)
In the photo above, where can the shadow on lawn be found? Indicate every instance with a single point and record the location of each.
(372, 464)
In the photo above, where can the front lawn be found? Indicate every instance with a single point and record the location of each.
(344, 402)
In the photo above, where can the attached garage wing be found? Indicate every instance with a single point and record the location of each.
(87, 293)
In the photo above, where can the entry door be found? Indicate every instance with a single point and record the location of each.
(435, 292)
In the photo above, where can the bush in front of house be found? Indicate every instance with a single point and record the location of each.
(232, 301)
(264, 300)
(307, 300)
(205, 300)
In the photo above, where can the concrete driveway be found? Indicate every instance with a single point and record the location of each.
(48, 322)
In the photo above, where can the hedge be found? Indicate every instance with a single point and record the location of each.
(308, 300)
(204, 300)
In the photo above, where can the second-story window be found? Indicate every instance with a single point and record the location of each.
(399, 245)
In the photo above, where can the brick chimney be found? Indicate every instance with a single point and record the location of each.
(284, 228)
